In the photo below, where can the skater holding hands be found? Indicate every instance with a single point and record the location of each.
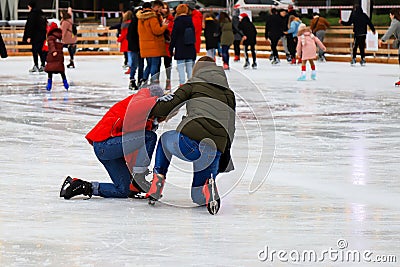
(306, 49)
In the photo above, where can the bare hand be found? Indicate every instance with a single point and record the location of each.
(244, 38)
(54, 53)
(379, 43)
(340, 21)
(28, 40)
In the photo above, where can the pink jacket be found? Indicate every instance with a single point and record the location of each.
(306, 46)
(66, 28)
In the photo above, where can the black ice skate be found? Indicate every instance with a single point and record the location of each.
(156, 188)
(74, 187)
(139, 185)
(246, 64)
(210, 192)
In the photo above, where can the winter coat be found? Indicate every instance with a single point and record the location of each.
(210, 113)
(274, 27)
(319, 24)
(306, 46)
(136, 107)
(67, 36)
(3, 50)
(237, 33)
(359, 20)
(55, 64)
(123, 37)
(197, 19)
(151, 34)
(35, 27)
(133, 36)
(211, 33)
(168, 32)
(249, 30)
(394, 29)
(226, 33)
(182, 51)
(294, 27)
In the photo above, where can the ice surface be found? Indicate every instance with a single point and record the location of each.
(328, 150)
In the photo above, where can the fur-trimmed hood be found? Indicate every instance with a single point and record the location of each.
(146, 14)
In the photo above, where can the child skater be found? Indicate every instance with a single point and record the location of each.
(306, 50)
(55, 56)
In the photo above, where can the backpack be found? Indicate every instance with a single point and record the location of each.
(189, 37)
(74, 29)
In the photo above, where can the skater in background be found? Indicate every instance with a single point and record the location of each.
(394, 30)
(182, 45)
(55, 56)
(211, 34)
(3, 50)
(238, 35)
(137, 62)
(35, 34)
(197, 19)
(285, 19)
(123, 37)
(123, 130)
(306, 49)
(68, 37)
(169, 20)
(204, 134)
(291, 35)
(318, 26)
(249, 39)
(359, 20)
(274, 32)
(227, 37)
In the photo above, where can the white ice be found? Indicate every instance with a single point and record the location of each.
(320, 158)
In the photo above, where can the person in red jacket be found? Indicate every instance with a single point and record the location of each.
(123, 39)
(197, 19)
(124, 130)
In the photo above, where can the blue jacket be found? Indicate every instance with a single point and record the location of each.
(182, 51)
(294, 27)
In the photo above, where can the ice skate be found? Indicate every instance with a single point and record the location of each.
(74, 187)
(71, 64)
(226, 66)
(156, 188)
(132, 85)
(313, 75)
(236, 59)
(66, 84)
(353, 62)
(363, 62)
(210, 192)
(397, 84)
(139, 181)
(288, 58)
(49, 84)
(254, 66)
(41, 69)
(302, 78)
(246, 65)
(34, 69)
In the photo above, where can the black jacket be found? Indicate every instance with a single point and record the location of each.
(133, 36)
(182, 51)
(211, 34)
(249, 30)
(3, 50)
(274, 26)
(360, 20)
(35, 27)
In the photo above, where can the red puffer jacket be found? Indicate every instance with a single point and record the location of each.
(123, 37)
(197, 19)
(128, 115)
(55, 63)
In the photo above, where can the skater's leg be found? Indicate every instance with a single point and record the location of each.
(313, 70)
(35, 52)
(253, 53)
(146, 71)
(181, 70)
(274, 43)
(167, 66)
(189, 67)
(355, 47)
(362, 45)
(134, 65)
(236, 48)
(63, 76)
(246, 56)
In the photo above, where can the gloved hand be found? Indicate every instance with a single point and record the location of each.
(165, 98)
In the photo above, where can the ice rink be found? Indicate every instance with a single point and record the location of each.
(317, 170)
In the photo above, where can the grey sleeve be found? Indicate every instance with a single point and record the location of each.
(389, 32)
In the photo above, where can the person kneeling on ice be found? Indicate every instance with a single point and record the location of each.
(306, 49)
(55, 56)
(204, 134)
(124, 139)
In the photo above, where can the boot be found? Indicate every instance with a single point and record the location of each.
(397, 84)
(156, 188)
(353, 62)
(246, 64)
(293, 62)
(226, 66)
(128, 71)
(313, 75)
(49, 84)
(210, 192)
(71, 64)
(132, 85)
(66, 85)
(34, 69)
(302, 77)
(254, 65)
(362, 62)
(139, 181)
(236, 59)
(74, 187)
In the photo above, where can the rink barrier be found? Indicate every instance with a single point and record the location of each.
(99, 40)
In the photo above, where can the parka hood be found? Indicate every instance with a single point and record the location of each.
(208, 72)
(146, 14)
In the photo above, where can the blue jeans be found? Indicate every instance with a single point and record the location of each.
(182, 64)
(205, 159)
(225, 54)
(111, 154)
(152, 68)
(137, 63)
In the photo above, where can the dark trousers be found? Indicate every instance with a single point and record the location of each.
(274, 44)
(359, 42)
(253, 52)
(50, 75)
(167, 66)
(236, 47)
(292, 43)
(38, 52)
(71, 50)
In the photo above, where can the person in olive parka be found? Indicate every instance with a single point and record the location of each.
(204, 135)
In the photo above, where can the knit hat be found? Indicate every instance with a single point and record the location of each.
(182, 9)
(243, 15)
(302, 26)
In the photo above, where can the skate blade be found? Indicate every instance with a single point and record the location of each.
(213, 207)
(64, 187)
